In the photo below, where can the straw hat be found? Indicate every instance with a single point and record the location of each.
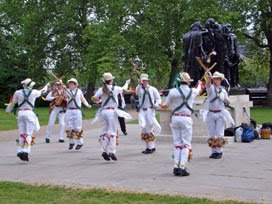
(184, 77)
(72, 80)
(28, 83)
(144, 77)
(108, 76)
(218, 75)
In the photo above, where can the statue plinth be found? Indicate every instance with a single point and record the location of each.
(240, 114)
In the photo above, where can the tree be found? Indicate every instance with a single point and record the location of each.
(259, 16)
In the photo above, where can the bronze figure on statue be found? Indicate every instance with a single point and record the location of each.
(214, 43)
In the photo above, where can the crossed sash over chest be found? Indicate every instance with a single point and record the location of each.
(184, 103)
(146, 92)
(111, 97)
(26, 97)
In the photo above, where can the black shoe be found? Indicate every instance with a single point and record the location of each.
(219, 155)
(47, 140)
(61, 141)
(213, 155)
(152, 150)
(71, 146)
(20, 155)
(146, 151)
(184, 172)
(25, 156)
(177, 171)
(106, 156)
(78, 147)
(125, 133)
(112, 156)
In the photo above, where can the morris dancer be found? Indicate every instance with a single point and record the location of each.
(73, 116)
(180, 100)
(57, 109)
(28, 122)
(150, 100)
(217, 115)
(109, 113)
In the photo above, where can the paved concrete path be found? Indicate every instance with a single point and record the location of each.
(244, 172)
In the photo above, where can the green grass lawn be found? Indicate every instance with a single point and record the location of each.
(9, 121)
(261, 114)
(25, 193)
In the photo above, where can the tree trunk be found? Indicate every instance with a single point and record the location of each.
(269, 87)
(91, 84)
(173, 72)
(90, 90)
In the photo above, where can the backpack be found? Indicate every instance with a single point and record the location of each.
(229, 131)
(248, 133)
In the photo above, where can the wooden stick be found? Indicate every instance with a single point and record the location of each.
(201, 63)
(208, 70)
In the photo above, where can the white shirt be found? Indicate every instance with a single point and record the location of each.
(154, 93)
(49, 96)
(79, 98)
(217, 104)
(174, 98)
(100, 94)
(18, 97)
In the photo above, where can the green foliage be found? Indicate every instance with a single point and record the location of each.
(86, 38)
(254, 72)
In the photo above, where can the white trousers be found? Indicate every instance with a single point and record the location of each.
(73, 120)
(109, 130)
(26, 124)
(182, 136)
(216, 126)
(146, 123)
(52, 119)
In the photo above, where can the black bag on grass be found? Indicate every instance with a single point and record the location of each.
(229, 131)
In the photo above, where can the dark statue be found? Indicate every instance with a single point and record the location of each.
(200, 42)
(193, 44)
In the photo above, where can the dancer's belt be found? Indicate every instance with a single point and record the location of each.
(215, 111)
(145, 109)
(25, 109)
(110, 108)
(72, 108)
(181, 114)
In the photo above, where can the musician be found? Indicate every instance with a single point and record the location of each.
(57, 107)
